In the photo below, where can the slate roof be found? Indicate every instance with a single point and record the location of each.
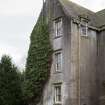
(101, 15)
(74, 10)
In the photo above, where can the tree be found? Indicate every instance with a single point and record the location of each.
(10, 83)
(38, 63)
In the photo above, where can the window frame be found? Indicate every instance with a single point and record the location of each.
(58, 23)
(58, 67)
(57, 100)
(82, 28)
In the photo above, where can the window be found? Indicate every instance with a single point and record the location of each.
(57, 94)
(84, 30)
(58, 61)
(58, 27)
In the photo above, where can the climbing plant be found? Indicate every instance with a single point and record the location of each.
(38, 62)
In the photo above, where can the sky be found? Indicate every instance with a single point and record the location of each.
(17, 19)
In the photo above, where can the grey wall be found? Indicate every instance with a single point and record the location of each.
(78, 76)
(63, 44)
(83, 66)
(88, 54)
(101, 67)
(74, 65)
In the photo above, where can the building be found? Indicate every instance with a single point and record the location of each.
(78, 69)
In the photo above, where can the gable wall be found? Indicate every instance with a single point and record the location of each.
(62, 43)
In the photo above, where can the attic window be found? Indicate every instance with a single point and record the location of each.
(84, 29)
(58, 27)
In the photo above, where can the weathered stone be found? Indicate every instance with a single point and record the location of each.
(83, 68)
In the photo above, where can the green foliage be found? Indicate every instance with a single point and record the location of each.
(10, 85)
(38, 63)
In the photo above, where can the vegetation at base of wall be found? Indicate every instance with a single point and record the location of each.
(38, 63)
(10, 83)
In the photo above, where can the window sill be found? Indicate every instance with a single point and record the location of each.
(58, 103)
(56, 72)
(58, 37)
(85, 36)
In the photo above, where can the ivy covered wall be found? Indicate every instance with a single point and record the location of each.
(38, 62)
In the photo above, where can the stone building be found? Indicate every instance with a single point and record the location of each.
(78, 69)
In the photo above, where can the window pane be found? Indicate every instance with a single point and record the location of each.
(84, 30)
(58, 27)
(58, 58)
(57, 93)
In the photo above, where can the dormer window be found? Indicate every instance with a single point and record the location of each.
(58, 27)
(84, 30)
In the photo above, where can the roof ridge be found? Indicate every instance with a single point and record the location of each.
(72, 9)
(100, 11)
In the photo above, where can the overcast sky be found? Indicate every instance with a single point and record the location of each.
(17, 19)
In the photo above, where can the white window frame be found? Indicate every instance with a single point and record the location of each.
(85, 26)
(56, 94)
(58, 67)
(58, 28)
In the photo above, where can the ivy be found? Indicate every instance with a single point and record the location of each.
(38, 63)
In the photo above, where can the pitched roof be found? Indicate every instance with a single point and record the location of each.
(74, 10)
(101, 15)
